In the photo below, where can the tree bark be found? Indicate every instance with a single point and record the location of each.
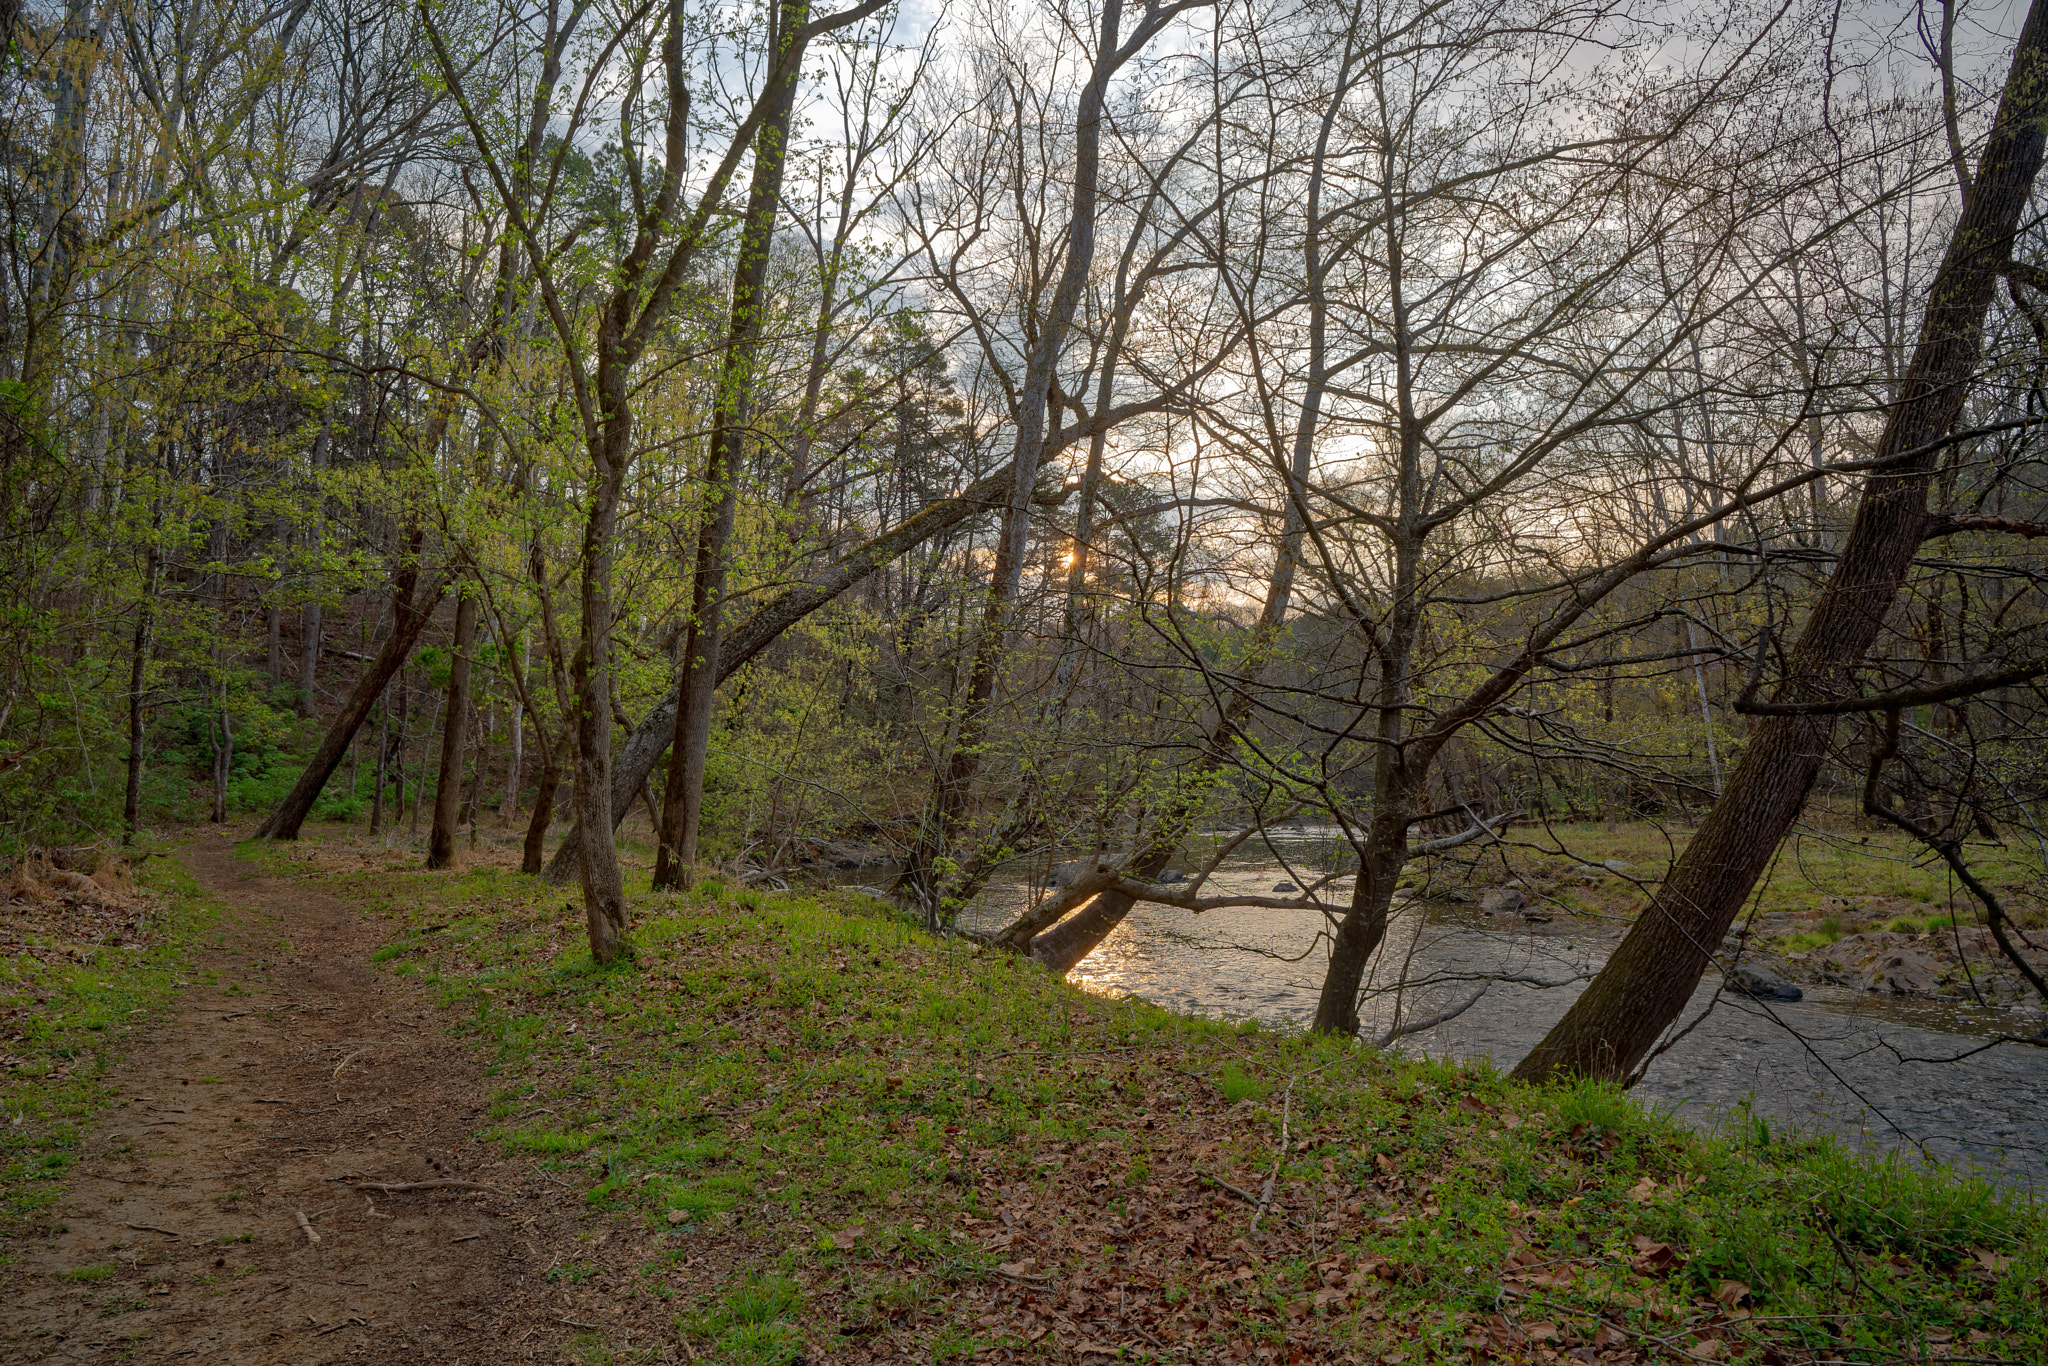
(1655, 969)
(643, 748)
(454, 739)
(683, 800)
(138, 675)
(1061, 945)
(412, 606)
(956, 777)
(544, 805)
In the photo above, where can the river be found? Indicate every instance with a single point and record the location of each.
(1880, 1072)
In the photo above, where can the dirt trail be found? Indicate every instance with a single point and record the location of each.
(289, 1073)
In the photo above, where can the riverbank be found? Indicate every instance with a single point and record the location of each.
(799, 1125)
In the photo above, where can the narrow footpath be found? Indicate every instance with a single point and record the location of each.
(226, 1208)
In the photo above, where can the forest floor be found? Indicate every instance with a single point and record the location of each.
(285, 1078)
(795, 1128)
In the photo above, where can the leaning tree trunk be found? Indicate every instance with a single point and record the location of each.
(644, 746)
(411, 608)
(1654, 971)
(454, 739)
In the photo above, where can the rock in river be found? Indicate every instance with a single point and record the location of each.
(1503, 901)
(1761, 983)
(1066, 872)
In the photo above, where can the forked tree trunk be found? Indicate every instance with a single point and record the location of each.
(956, 778)
(683, 801)
(454, 739)
(1060, 944)
(1654, 971)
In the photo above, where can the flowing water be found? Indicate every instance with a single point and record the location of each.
(1882, 1072)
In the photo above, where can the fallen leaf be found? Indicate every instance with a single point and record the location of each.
(1644, 1191)
(1708, 1350)
(1540, 1332)
(1473, 1105)
(678, 1216)
(1731, 1293)
(847, 1237)
(1653, 1258)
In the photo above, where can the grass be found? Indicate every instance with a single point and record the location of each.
(70, 1013)
(932, 1150)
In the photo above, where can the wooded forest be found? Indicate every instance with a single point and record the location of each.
(1002, 436)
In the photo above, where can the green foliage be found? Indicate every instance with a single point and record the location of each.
(753, 1324)
(1239, 1085)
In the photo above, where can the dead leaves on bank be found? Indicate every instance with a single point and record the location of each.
(58, 907)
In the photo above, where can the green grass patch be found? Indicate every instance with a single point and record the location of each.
(920, 1146)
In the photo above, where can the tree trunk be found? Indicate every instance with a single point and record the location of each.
(377, 769)
(684, 798)
(645, 745)
(479, 772)
(454, 739)
(223, 733)
(411, 608)
(138, 675)
(956, 776)
(1063, 944)
(604, 892)
(1655, 969)
(516, 761)
(544, 804)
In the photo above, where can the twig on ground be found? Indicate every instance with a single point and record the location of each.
(1238, 1191)
(152, 1228)
(446, 1183)
(1279, 1156)
(307, 1225)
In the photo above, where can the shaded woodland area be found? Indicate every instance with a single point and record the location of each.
(1019, 435)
